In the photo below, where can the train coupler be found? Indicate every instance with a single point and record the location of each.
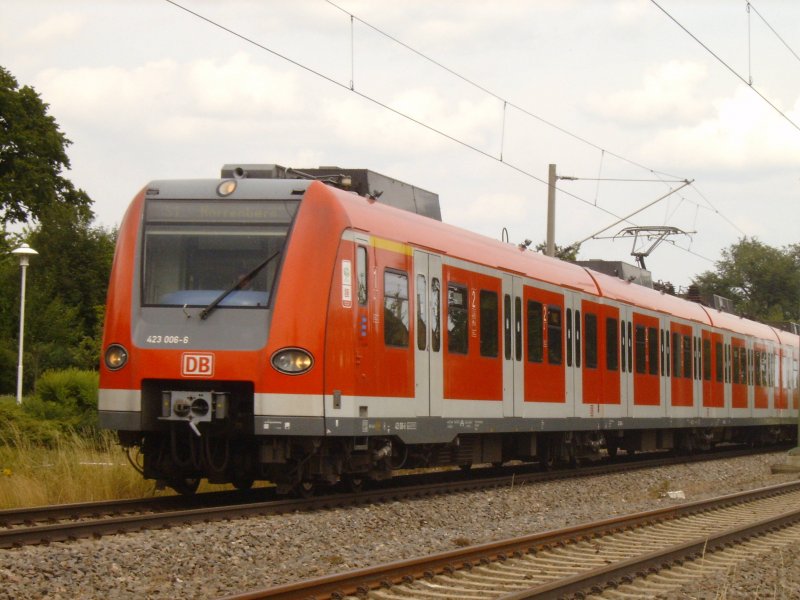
(194, 407)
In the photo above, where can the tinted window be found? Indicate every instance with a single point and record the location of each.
(489, 323)
(590, 340)
(361, 275)
(676, 355)
(395, 308)
(718, 360)
(641, 349)
(652, 350)
(507, 327)
(436, 311)
(612, 348)
(422, 313)
(554, 335)
(457, 314)
(535, 332)
(687, 356)
(707, 360)
(518, 328)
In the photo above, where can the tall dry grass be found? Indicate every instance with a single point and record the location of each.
(74, 469)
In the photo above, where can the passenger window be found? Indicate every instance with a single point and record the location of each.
(758, 368)
(641, 349)
(612, 347)
(630, 349)
(535, 332)
(422, 312)
(361, 275)
(718, 362)
(457, 316)
(436, 311)
(676, 355)
(507, 327)
(569, 337)
(624, 346)
(578, 338)
(395, 308)
(668, 358)
(518, 328)
(687, 357)
(652, 350)
(590, 340)
(707, 360)
(554, 335)
(736, 365)
(489, 338)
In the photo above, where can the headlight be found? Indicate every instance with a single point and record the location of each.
(116, 357)
(292, 361)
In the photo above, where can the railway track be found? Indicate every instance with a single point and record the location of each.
(41, 525)
(631, 556)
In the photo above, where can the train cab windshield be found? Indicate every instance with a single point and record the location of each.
(196, 250)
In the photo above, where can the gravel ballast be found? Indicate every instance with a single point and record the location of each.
(215, 559)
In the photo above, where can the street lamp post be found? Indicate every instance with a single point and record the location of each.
(24, 252)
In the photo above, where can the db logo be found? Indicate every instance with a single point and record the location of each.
(197, 365)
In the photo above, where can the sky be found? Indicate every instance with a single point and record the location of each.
(616, 94)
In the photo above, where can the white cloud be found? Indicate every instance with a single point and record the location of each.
(744, 131)
(54, 29)
(668, 92)
(170, 99)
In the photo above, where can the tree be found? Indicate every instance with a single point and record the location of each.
(67, 281)
(763, 282)
(568, 253)
(32, 156)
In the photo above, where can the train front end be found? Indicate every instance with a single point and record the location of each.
(196, 374)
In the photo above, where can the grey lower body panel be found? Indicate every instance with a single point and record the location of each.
(431, 430)
(427, 430)
(120, 420)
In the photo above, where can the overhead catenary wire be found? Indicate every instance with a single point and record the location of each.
(750, 6)
(435, 130)
(726, 65)
(508, 103)
(385, 106)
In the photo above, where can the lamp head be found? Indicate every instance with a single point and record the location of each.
(24, 252)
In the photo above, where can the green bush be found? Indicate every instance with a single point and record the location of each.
(68, 396)
(18, 427)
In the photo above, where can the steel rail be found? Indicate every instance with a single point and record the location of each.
(597, 579)
(176, 510)
(359, 582)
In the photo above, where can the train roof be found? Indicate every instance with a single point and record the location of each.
(378, 219)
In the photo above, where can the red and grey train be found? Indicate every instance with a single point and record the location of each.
(267, 326)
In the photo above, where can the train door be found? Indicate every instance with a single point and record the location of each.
(573, 351)
(727, 369)
(682, 381)
(512, 346)
(665, 365)
(646, 380)
(544, 357)
(713, 375)
(761, 383)
(739, 390)
(626, 360)
(428, 371)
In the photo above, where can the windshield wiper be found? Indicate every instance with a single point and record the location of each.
(242, 281)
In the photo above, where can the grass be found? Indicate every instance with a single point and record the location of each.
(72, 468)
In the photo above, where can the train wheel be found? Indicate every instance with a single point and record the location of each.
(354, 483)
(305, 489)
(244, 483)
(185, 487)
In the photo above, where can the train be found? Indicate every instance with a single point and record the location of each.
(319, 327)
